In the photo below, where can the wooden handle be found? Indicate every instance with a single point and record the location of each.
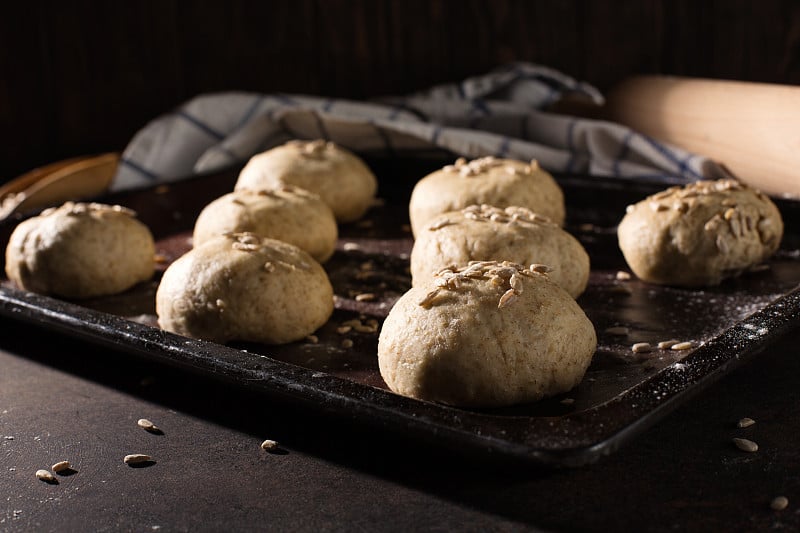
(751, 128)
(71, 179)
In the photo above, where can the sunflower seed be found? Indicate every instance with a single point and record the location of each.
(745, 422)
(746, 445)
(507, 299)
(136, 458)
(269, 445)
(61, 466)
(45, 475)
(681, 346)
(779, 503)
(641, 347)
(146, 425)
(663, 345)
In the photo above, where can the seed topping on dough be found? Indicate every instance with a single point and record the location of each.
(82, 208)
(505, 275)
(250, 242)
(486, 213)
(314, 149)
(245, 241)
(483, 165)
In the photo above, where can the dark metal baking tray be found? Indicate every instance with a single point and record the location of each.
(621, 394)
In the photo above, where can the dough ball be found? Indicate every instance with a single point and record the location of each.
(489, 334)
(341, 179)
(497, 182)
(287, 214)
(516, 234)
(243, 287)
(700, 234)
(81, 250)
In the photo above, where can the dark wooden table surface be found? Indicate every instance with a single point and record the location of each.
(64, 400)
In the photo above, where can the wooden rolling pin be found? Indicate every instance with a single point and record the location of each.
(751, 128)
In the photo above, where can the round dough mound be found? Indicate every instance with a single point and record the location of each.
(288, 214)
(700, 234)
(242, 287)
(341, 179)
(81, 250)
(489, 334)
(497, 182)
(516, 234)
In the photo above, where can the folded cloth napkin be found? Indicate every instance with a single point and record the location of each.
(500, 113)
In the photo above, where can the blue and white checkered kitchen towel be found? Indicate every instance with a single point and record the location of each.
(500, 113)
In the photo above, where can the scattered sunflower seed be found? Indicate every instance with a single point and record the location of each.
(350, 246)
(146, 425)
(61, 466)
(663, 345)
(567, 401)
(681, 346)
(779, 503)
(365, 297)
(746, 445)
(313, 339)
(623, 276)
(641, 347)
(45, 475)
(269, 445)
(136, 458)
(347, 343)
(342, 330)
(745, 422)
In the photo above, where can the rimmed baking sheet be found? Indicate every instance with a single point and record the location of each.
(623, 392)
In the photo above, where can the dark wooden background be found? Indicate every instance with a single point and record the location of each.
(82, 77)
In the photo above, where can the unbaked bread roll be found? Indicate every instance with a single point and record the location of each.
(287, 214)
(341, 179)
(488, 334)
(700, 234)
(492, 181)
(242, 287)
(516, 234)
(81, 250)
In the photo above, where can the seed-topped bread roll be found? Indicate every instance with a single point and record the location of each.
(492, 181)
(487, 334)
(341, 179)
(516, 234)
(700, 234)
(242, 287)
(288, 214)
(81, 250)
